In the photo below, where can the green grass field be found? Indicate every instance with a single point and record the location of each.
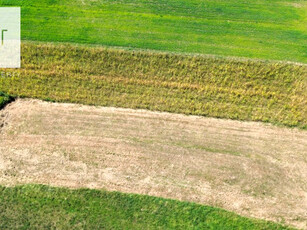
(255, 29)
(43, 207)
(216, 87)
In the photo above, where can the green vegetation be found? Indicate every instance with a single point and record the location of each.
(217, 87)
(43, 207)
(5, 99)
(274, 29)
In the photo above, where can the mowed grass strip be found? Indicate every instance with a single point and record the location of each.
(216, 87)
(43, 207)
(245, 28)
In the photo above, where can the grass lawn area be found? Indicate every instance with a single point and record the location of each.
(44, 207)
(254, 29)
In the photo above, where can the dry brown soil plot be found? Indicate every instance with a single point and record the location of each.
(251, 168)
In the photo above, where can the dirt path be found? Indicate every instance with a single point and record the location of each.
(251, 168)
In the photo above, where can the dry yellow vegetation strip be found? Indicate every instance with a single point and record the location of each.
(251, 90)
(251, 168)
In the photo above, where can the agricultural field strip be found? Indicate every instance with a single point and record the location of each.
(251, 90)
(274, 30)
(255, 169)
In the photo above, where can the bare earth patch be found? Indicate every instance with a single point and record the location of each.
(251, 168)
